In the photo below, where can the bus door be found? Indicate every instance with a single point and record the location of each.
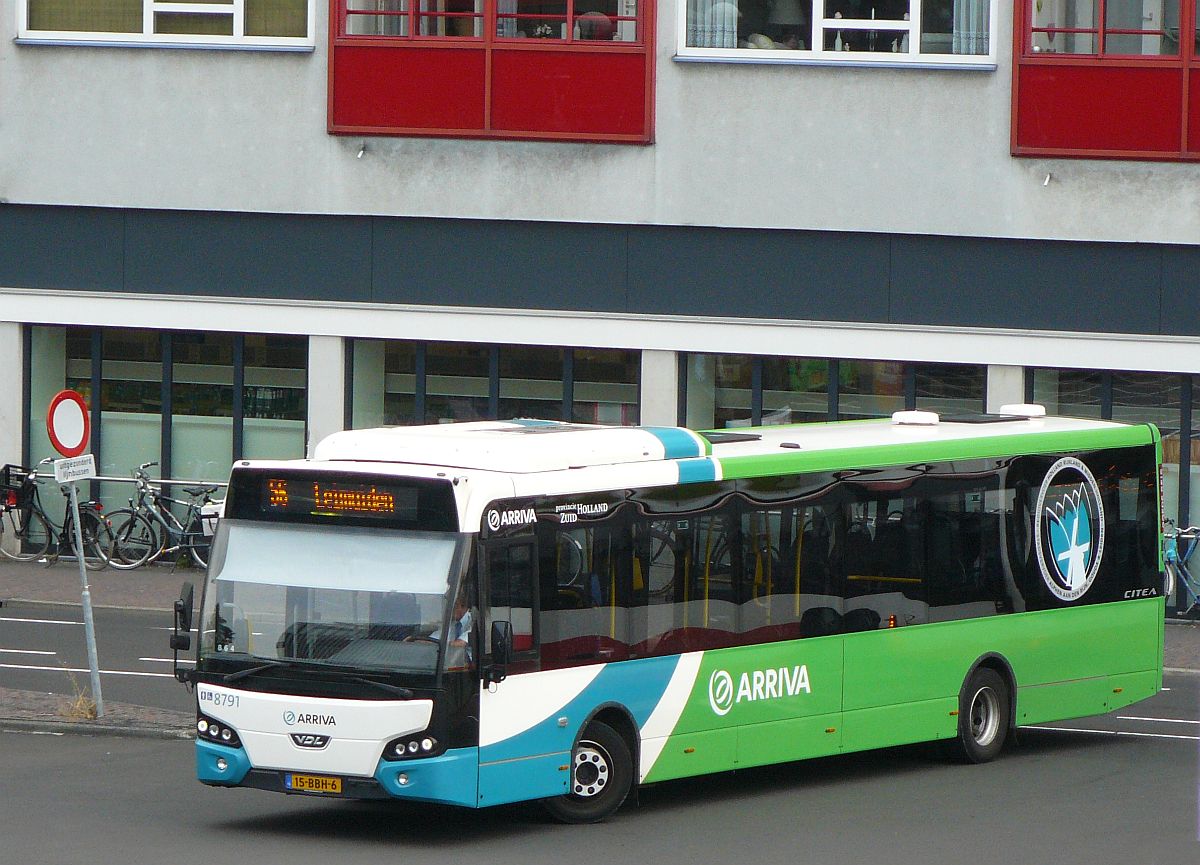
(523, 751)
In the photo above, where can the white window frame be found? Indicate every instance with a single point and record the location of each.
(148, 38)
(818, 56)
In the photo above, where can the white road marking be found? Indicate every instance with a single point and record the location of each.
(168, 660)
(40, 621)
(83, 670)
(1112, 732)
(26, 652)
(1160, 720)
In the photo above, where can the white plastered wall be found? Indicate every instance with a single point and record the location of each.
(811, 147)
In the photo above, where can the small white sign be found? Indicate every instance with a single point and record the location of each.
(75, 469)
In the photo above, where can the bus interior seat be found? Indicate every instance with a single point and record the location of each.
(820, 622)
(860, 619)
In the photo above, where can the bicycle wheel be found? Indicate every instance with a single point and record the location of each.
(198, 543)
(97, 539)
(134, 540)
(26, 531)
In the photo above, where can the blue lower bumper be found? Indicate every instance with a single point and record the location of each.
(451, 778)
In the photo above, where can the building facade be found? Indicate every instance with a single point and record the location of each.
(238, 227)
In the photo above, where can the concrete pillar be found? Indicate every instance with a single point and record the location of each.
(326, 388)
(12, 393)
(368, 383)
(1005, 386)
(660, 388)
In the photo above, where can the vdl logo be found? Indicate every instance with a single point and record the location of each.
(1070, 529)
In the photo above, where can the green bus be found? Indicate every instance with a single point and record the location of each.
(491, 612)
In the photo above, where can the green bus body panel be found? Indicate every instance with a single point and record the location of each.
(797, 462)
(899, 686)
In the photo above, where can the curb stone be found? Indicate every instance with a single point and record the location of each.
(60, 727)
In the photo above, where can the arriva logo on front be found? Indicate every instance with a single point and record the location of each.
(756, 685)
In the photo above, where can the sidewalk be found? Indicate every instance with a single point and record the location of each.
(156, 588)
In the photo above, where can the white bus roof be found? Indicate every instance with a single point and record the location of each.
(533, 446)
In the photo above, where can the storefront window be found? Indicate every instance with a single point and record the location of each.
(456, 382)
(131, 376)
(274, 401)
(605, 388)
(202, 405)
(950, 389)
(1069, 392)
(794, 390)
(870, 388)
(531, 382)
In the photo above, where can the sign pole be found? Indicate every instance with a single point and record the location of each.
(89, 625)
(69, 428)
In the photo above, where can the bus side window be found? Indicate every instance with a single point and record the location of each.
(510, 578)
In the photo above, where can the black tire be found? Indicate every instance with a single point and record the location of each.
(984, 710)
(601, 777)
(30, 530)
(134, 540)
(97, 540)
(198, 543)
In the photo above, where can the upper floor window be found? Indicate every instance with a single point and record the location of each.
(859, 32)
(562, 20)
(1107, 78)
(1130, 28)
(570, 70)
(279, 24)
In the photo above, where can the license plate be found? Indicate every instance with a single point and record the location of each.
(312, 783)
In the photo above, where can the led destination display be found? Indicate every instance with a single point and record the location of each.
(322, 497)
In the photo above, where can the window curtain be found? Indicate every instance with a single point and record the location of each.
(971, 23)
(712, 24)
(506, 27)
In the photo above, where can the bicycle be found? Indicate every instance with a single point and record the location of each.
(148, 529)
(1178, 575)
(23, 517)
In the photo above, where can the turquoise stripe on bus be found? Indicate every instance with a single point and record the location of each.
(636, 685)
(695, 471)
(677, 443)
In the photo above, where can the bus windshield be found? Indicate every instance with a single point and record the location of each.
(330, 595)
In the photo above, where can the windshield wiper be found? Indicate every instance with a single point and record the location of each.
(250, 671)
(403, 693)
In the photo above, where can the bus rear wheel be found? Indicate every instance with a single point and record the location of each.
(983, 713)
(601, 776)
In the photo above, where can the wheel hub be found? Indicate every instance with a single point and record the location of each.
(591, 770)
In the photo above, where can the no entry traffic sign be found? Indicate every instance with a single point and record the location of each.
(68, 423)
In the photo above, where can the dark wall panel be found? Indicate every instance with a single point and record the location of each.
(75, 248)
(248, 255)
(1029, 284)
(679, 270)
(517, 265)
(828, 276)
(1181, 291)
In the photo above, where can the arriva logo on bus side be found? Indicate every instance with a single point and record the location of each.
(518, 517)
(756, 685)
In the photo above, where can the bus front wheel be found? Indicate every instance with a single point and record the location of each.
(983, 713)
(601, 775)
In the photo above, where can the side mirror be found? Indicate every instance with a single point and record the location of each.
(183, 608)
(502, 647)
(181, 639)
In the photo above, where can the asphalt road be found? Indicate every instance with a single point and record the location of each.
(1057, 796)
(42, 648)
